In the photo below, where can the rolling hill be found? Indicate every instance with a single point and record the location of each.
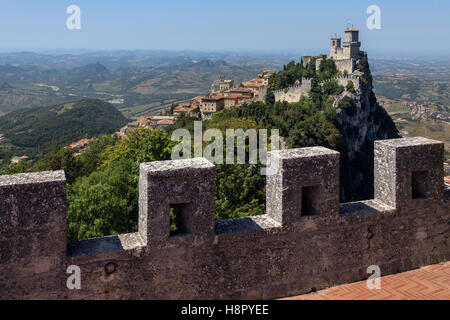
(35, 130)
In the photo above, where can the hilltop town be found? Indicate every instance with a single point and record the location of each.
(347, 58)
(225, 94)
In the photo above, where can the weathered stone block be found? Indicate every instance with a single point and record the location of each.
(408, 171)
(186, 186)
(33, 221)
(306, 183)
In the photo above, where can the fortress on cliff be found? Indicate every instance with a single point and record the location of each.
(345, 55)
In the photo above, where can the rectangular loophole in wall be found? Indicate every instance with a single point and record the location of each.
(419, 184)
(310, 201)
(180, 220)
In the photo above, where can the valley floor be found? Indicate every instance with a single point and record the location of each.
(409, 124)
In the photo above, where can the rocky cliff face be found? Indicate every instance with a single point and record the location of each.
(362, 121)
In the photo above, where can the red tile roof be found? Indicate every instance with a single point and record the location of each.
(79, 144)
(83, 142)
(197, 98)
(143, 121)
(165, 122)
(257, 82)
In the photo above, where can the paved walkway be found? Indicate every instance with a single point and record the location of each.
(428, 283)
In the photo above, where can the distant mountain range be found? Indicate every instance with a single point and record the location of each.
(149, 81)
(146, 80)
(93, 71)
(5, 85)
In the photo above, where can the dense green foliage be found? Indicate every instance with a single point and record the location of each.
(348, 106)
(290, 73)
(296, 71)
(38, 130)
(102, 191)
(302, 124)
(106, 202)
(103, 203)
(63, 159)
(293, 72)
(350, 87)
(229, 202)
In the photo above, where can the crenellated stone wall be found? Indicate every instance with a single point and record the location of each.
(306, 240)
(295, 93)
(343, 81)
(346, 65)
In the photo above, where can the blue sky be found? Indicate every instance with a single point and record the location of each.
(408, 27)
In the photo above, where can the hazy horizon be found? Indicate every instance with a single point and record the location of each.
(299, 53)
(408, 28)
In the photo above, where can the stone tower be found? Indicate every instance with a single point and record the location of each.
(351, 43)
(336, 51)
(225, 85)
(306, 59)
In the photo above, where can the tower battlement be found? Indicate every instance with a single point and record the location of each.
(350, 47)
(296, 92)
(345, 54)
(306, 238)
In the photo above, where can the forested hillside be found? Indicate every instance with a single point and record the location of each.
(35, 130)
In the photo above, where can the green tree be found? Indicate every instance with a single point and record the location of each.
(59, 159)
(350, 87)
(270, 97)
(104, 203)
(90, 160)
(248, 201)
(332, 88)
(327, 70)
(139, 146)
